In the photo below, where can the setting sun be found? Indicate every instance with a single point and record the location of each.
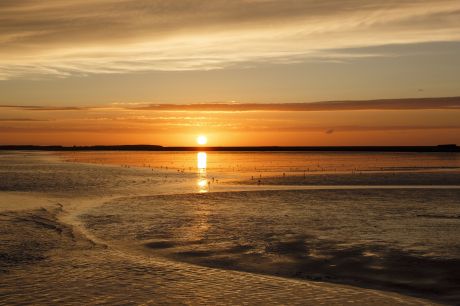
(202, 140)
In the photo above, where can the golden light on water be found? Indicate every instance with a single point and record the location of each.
(203, 185)
(201, 160)
(202, 140)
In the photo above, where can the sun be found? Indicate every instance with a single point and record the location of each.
(202, 140)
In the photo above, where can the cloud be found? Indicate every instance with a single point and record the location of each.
(186, 128)
(333, 118)
(73, 37)
(381, 104)
(21, 120)
(44, 108)
(357, 128)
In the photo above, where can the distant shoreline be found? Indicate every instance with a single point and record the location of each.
(157, 148)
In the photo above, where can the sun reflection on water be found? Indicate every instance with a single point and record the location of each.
(202, 183)
(201, 161)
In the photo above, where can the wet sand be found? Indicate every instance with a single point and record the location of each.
(367, 178)
(360, 237)
(93, 234)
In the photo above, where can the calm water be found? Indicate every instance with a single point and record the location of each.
(291, 169)
(276, 162)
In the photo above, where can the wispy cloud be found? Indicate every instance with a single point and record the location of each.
(303, 123)
(44, 108)
(381, 104)
(72, 37)
(193, 127)
(21, 120)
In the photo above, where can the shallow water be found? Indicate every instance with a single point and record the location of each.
(138, 224)
(276, 162)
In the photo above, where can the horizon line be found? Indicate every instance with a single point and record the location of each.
(159, 148)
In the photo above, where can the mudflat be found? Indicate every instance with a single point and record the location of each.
(81, 232)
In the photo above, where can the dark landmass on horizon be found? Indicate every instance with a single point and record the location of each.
(438, 148)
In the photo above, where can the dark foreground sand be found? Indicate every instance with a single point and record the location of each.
(64, 268)
(375, 238)
(75, 234)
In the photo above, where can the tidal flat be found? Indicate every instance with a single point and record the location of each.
(254, 228)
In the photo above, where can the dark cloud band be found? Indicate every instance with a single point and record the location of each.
(383, 104)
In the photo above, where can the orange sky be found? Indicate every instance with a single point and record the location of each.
(243, 72)
(392, 122)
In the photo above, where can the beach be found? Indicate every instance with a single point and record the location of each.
(247, 228)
